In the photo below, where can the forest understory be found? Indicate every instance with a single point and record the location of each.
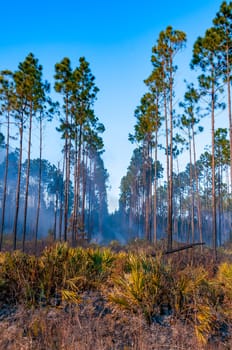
(131, 297)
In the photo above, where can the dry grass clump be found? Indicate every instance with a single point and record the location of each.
(142, 287)
(97, 298)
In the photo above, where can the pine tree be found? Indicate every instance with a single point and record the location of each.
(169, 43)
(206, 55)
(64, 85)
(223, 25)
(7, 108)
(30, 93)
(190, 119)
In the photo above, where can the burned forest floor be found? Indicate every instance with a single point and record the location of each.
(106, 298)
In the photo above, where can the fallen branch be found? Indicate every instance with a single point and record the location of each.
(187, 246)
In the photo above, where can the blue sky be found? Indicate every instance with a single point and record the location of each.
(116, 37)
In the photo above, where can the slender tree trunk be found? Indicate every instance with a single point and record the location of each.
(55, 217)
(219, 206)
(180, 201)
(83, 191)
(66, 191)
(67, 181)
(147, 233)
(143, 201)
(150, 193)
(130, 219)
(228, 80)
(56, 204)
(191, 187)
(18, 188)
(27, 181)
(75, 204)
(146, 189)
(67, 173)
(90, 201)
(5, 179)
(170, 182)
(137, 209)
(61, 201)
(155, 190)
(79, 178)
(214, 228)
(197, 188)
(39, 184)
(223, 238)
(169, 226)
(100, 221)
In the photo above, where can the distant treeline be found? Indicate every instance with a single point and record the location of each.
(191, 205)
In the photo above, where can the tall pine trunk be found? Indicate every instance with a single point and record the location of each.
(27, 181)
(79, 179)
(61, 201)
(228, 81)
(89, 231)
(191, 186)
(170, 182)
(84, 176)
(18, 187)
(39, 184)
(155, 190)
(75, 203)
(169, 228)
(214, 219)
(67, 172)
(5, 179)
(197, 189)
